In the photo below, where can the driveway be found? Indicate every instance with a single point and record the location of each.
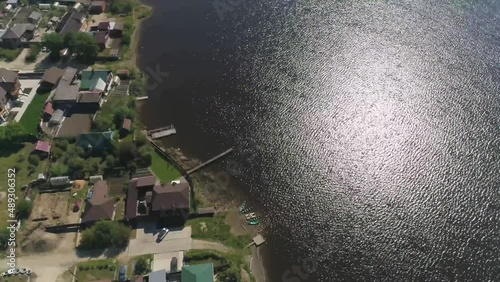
(26, 83)
(162, 261)
(147, 234)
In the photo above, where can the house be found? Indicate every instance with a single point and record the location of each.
(90, 79)
(170, 198)
(126, 126)
(42, 149)
(17, 35)
(198, 273)
(157, 276)
(9, 82)
(71, 22)
(116, 30)
(51, 78)
(97, 7)
(55, 76)
(3, 100)
(54, 20)
(100, 206)
(34, 17)
(147, 197)
(13, 3)
(101, 37)
(65, 95)
(97, 141)
(90, 102)
(103, 26)
(48, 111)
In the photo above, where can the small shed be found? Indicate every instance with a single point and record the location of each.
(126, 126)
(34, 17)
(59, 181)
(42, 148)
(57, 117)
(93, 179)
(44, 6)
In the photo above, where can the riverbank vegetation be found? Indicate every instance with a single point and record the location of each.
(215, 229)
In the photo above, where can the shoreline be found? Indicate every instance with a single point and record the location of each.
(256, 263)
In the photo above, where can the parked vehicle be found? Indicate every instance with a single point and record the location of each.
(162, 234)
(123, 274)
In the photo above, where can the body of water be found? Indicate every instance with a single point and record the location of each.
(367, 132)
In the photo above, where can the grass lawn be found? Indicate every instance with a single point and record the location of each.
(215, 229)
(162, 169)
(97, 269)
(17, 157)
(19, 278)
(222, 261)
(32, 115)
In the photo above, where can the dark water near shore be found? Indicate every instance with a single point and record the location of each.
(368, 132)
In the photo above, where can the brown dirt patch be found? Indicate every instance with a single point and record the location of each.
(52, 206)
(78, 185)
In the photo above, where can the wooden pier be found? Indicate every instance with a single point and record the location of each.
(142, 98)
(257, 241)
(162, 132)
(210, 161)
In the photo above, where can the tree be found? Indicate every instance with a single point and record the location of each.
(105, 234)
(231, 274)
(122, 7)
(34, 159)
(24, 208)
(58, 170)
(102, 123)
(83, 45)
(110, 161)
(54, 42)
(126, 152)
(142, 266)
(61, 143)
(145, 157)
(75, 163)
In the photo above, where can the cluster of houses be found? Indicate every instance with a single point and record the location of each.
(74, 20)
(9, 88)
(75, 99)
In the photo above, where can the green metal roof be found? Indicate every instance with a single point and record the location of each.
(198, 273)
(90, 78)
(96, 140)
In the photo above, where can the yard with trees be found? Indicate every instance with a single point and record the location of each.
(105, 234)
(80, 44)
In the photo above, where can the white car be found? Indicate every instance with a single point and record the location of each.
(162, 234)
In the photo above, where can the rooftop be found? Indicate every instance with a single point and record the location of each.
(170, 197)
(198, 273)
(42, 146)
(65, 92)
(7, 75)
(35, 16)
(52, 75)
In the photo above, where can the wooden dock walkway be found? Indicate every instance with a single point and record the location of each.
(142, 98)
(210, 161)
(162, 132)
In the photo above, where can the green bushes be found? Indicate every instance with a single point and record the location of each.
(9, 55)
(33, 53)
(105, 234)
(24, 208)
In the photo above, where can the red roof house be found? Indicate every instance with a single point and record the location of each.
(42, 147)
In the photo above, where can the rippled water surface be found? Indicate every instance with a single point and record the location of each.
(368, 131)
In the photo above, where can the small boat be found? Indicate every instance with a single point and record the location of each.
(253, 222)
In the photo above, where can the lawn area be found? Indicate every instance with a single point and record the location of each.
(19, 278)
(162, 169)
(215, 229)
(97, 269)
(32, 115)
(225, 264)
(17, 157)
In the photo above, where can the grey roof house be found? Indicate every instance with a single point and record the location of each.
(34, 17)
(18, 34)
